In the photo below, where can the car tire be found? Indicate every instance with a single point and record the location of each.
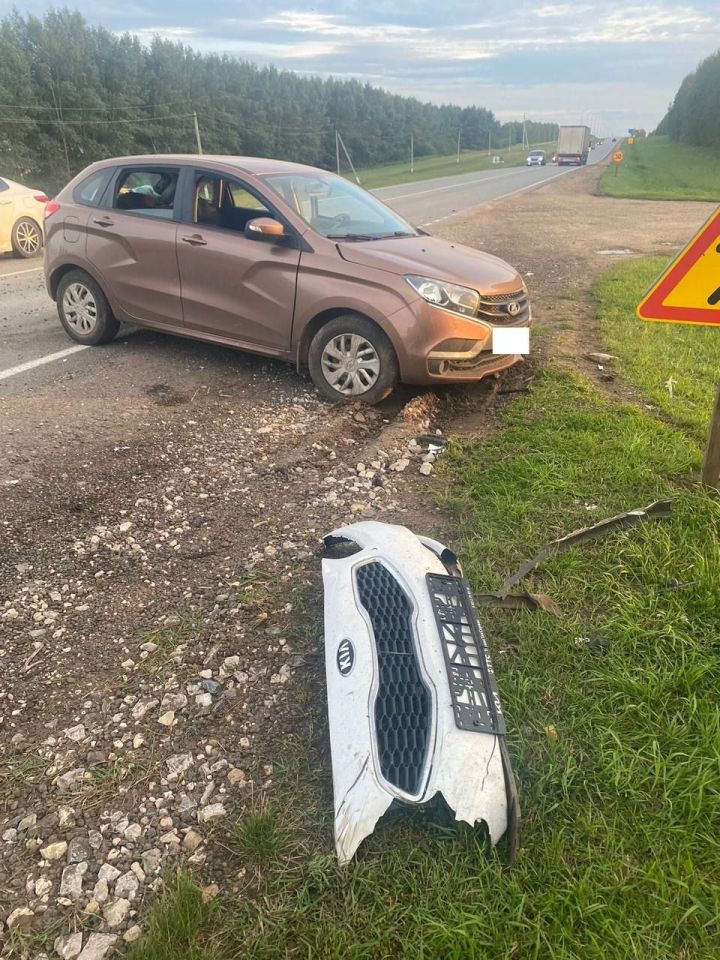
(26, 238)
(84, 310)
(350, 358)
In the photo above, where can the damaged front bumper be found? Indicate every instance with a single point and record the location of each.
(412, 701)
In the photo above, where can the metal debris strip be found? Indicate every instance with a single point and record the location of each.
(659, 509)
(520, 601)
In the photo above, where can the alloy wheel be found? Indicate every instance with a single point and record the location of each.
(27, 237)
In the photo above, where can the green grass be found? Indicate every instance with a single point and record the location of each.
(655, 168)
(260, 836)
(18, 770)
(429, 167)
(652, 353)
(620, 854)
(167, 639)
(175, 925)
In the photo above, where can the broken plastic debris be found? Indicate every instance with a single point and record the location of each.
(412, 702)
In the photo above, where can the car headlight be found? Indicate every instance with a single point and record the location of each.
(448, 295)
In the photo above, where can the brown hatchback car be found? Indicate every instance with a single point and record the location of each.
(279, 259)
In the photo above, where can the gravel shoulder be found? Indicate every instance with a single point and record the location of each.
(160, 601)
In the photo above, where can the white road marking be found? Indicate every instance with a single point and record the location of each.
(41, 361)
(19, 273)
(532, 186)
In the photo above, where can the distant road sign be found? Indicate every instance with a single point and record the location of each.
(630, 141)
(688, 291)
(618, 156)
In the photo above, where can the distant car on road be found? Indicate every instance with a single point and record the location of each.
(537, 158)
(279, 259)
(21, 219)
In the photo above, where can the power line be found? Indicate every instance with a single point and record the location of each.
(137, 120)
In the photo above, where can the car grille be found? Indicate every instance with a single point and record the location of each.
(403, 704)
(495, 309)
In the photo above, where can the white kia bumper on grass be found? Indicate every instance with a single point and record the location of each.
(412, 701)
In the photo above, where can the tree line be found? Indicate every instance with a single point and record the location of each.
(694, 117)
(71, 93)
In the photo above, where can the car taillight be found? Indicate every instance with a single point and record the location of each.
(41, 198)
(51, 208)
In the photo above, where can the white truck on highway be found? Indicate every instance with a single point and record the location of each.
(573, 145)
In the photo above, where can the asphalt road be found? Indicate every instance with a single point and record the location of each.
(429, 201)
(35, 350)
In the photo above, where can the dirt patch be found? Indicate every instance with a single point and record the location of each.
(160, 632)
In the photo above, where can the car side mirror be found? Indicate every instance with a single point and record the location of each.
(265, 228)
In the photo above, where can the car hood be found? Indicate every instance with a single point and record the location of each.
(436, 259)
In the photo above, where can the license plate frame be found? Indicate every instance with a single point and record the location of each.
(471, 678)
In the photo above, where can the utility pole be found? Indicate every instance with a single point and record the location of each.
(337, 152)
(412, 154)
(711, 462)
(489, 142)
(345, 151)
(525, 137)
(197, 132)
(458, 150)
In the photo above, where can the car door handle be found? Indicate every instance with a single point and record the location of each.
(4, 203)
(104, 222)
(195, 239)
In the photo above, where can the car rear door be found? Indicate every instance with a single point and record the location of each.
(235, 288)
(7, 215)
(131, 242)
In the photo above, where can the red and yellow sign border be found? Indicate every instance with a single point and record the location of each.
(652, 306)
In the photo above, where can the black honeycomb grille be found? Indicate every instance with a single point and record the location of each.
(403, 704)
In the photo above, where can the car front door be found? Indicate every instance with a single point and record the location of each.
(131, 242)
(235, 288)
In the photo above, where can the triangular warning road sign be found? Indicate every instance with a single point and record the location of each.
(688, 291)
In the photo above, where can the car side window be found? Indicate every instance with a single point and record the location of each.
(3, 186)
(90, 191)
(149, 192)
(224, 202)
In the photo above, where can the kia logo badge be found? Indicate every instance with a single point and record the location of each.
(345, 658)
(513, 308)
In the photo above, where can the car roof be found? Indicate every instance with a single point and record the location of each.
(252, 165)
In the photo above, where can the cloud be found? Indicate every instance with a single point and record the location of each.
(184, 34)
(560, 10)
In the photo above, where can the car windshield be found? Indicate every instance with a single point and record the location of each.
(338, 209)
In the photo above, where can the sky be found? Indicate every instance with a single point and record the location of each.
(607, 63)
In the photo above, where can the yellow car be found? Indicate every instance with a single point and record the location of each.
(21, 219)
